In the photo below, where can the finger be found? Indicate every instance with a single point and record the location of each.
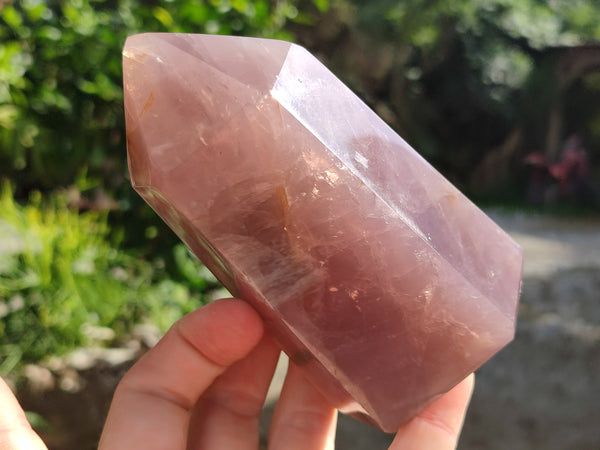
(439, 425)
(152, 403)
(302, 418)
(227, 414)
(15, 431)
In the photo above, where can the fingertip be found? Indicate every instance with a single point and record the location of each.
(466, 387)
(226, 329)
(439, 425)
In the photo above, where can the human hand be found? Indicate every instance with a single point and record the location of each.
(15, 431)
(204, 384)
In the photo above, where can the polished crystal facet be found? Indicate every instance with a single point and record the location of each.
(374, 273)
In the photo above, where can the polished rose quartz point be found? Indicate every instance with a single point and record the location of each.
(376, 275)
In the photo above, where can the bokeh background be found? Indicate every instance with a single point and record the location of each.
(502, 96)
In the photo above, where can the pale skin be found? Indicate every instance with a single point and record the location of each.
(203, 387)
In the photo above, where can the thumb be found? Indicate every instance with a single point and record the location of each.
(15, 431)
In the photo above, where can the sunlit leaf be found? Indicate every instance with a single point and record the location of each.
(35, 9)
(322, 5)
(8, 114)
(163, 16)
(10, 15)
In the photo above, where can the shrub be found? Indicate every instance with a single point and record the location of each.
(60, 272)
(60, 76)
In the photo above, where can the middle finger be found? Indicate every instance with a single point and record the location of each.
(227, 415)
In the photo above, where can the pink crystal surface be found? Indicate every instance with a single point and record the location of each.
(375, 274)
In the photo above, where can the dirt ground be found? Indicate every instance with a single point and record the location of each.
(541, 392)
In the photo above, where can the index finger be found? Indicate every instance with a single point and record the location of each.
(151, 406)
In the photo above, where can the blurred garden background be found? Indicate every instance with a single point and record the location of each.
(502, 96)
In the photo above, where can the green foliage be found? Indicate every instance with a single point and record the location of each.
(540, 23)
(322, 5)
(59, 272)
(476, 69)
(60, 76)
(37, 421)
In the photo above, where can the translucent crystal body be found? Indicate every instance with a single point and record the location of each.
(375, 274)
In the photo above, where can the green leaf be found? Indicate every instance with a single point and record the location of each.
(35, 9)
(11, 16)
(189, 267)
(37, 421)
(8, 115)
(50, 33)
(163, 16)
(240, 6)
(322, 5)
